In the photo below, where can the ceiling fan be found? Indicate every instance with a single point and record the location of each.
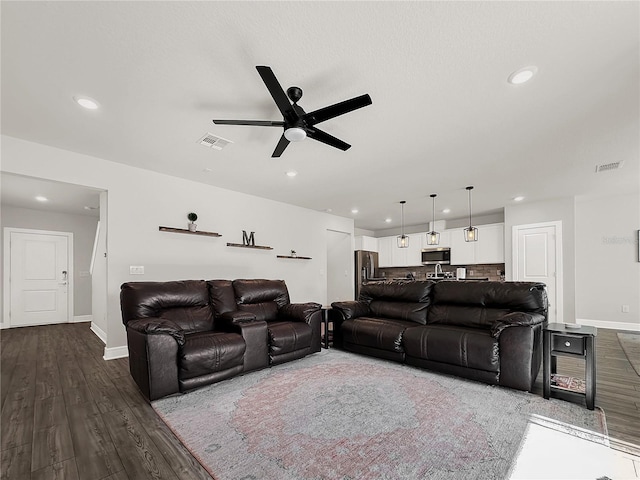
(296, 122)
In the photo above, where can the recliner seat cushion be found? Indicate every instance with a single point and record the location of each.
(380, 333)
(460, 346)
(209, 352)
(285, 337)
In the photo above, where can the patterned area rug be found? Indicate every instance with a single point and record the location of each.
(630, 343)
(336, 415)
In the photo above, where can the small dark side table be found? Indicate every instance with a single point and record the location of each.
(559, 340)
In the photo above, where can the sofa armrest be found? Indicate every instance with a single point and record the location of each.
(351, 309)
(157, 326)
(298, 312)
(230, 320)
(516, 319)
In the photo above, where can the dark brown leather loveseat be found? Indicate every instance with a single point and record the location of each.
(485, 331)
(185, 334)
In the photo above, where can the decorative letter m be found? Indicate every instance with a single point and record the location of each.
(248, 239)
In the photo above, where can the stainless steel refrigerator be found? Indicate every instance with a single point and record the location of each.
(366, 267)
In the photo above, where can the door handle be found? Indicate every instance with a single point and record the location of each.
(62, 283)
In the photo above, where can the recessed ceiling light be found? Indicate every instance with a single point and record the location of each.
(354, 210)
(40, 198)
(292, 173)
(446, 210)
(388, 220)
(207, 169)
(518, 198)
(328, 210)
(523, 75)
(86, 102)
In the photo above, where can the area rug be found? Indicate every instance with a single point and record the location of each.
(630, 343)
(336, 415)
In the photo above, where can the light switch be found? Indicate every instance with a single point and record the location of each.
(136, 270)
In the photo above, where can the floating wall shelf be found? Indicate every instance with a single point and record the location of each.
(184, 230)
(241, 245)
(296, 257)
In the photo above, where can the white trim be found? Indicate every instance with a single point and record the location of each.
(115, 352)
(559, 261)
(633, 327)
(81, 318)
(101, 334)
(6, 273)
(95, 249)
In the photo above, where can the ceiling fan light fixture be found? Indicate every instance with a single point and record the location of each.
(295, 134)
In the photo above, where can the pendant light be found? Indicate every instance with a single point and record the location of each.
(433, 237)
(403, 240)
(471, 232)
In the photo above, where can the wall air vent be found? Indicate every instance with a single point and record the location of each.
(212, 141)
(606, 167)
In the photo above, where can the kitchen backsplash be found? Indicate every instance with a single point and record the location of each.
(493, 271)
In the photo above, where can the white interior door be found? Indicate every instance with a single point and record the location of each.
(536, 251)
(39, 278)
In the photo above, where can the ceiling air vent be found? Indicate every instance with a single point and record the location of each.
(605, 167)
(212, 141)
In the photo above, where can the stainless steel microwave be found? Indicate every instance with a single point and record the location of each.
(435, 256)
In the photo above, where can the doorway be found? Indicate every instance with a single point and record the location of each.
(537, 257)
(339, 266)
(39, 274)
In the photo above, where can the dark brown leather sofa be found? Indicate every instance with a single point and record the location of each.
(485, 331)
(182, 335)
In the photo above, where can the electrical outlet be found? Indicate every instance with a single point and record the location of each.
(471, 272)
(625, 308)
(136, 270)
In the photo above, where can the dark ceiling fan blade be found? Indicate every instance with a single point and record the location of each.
(324, 137)
(282, 144)
(258, 123)
(276, 91)
(337, 109)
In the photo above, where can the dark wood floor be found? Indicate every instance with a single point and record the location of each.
(67, 414)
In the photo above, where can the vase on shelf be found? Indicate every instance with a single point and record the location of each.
(192, 227)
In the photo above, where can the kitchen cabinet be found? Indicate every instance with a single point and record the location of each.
(490, 244)
(385, 248)
(488, 249)
(389, 255)
(364, 242)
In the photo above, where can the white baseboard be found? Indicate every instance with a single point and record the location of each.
(634, 327)
(101, 334)
(3, 325)
(115, 352)
(81, 318)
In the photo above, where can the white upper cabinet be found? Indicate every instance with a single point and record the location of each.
(490, 244)
(488, 249)
(366, 243)
(385, 249)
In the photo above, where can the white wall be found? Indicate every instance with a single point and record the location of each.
(341, 285)
(560, 209)
(83, 228)
(607, 267)
(99, 276)
(138, 201)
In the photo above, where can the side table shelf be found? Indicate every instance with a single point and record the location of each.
(241, 245)
(560, 341)
(184, 230)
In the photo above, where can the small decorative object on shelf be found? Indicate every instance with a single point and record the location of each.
(192, 218)
(293, 253)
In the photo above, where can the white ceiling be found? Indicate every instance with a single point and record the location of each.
(443, 115)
